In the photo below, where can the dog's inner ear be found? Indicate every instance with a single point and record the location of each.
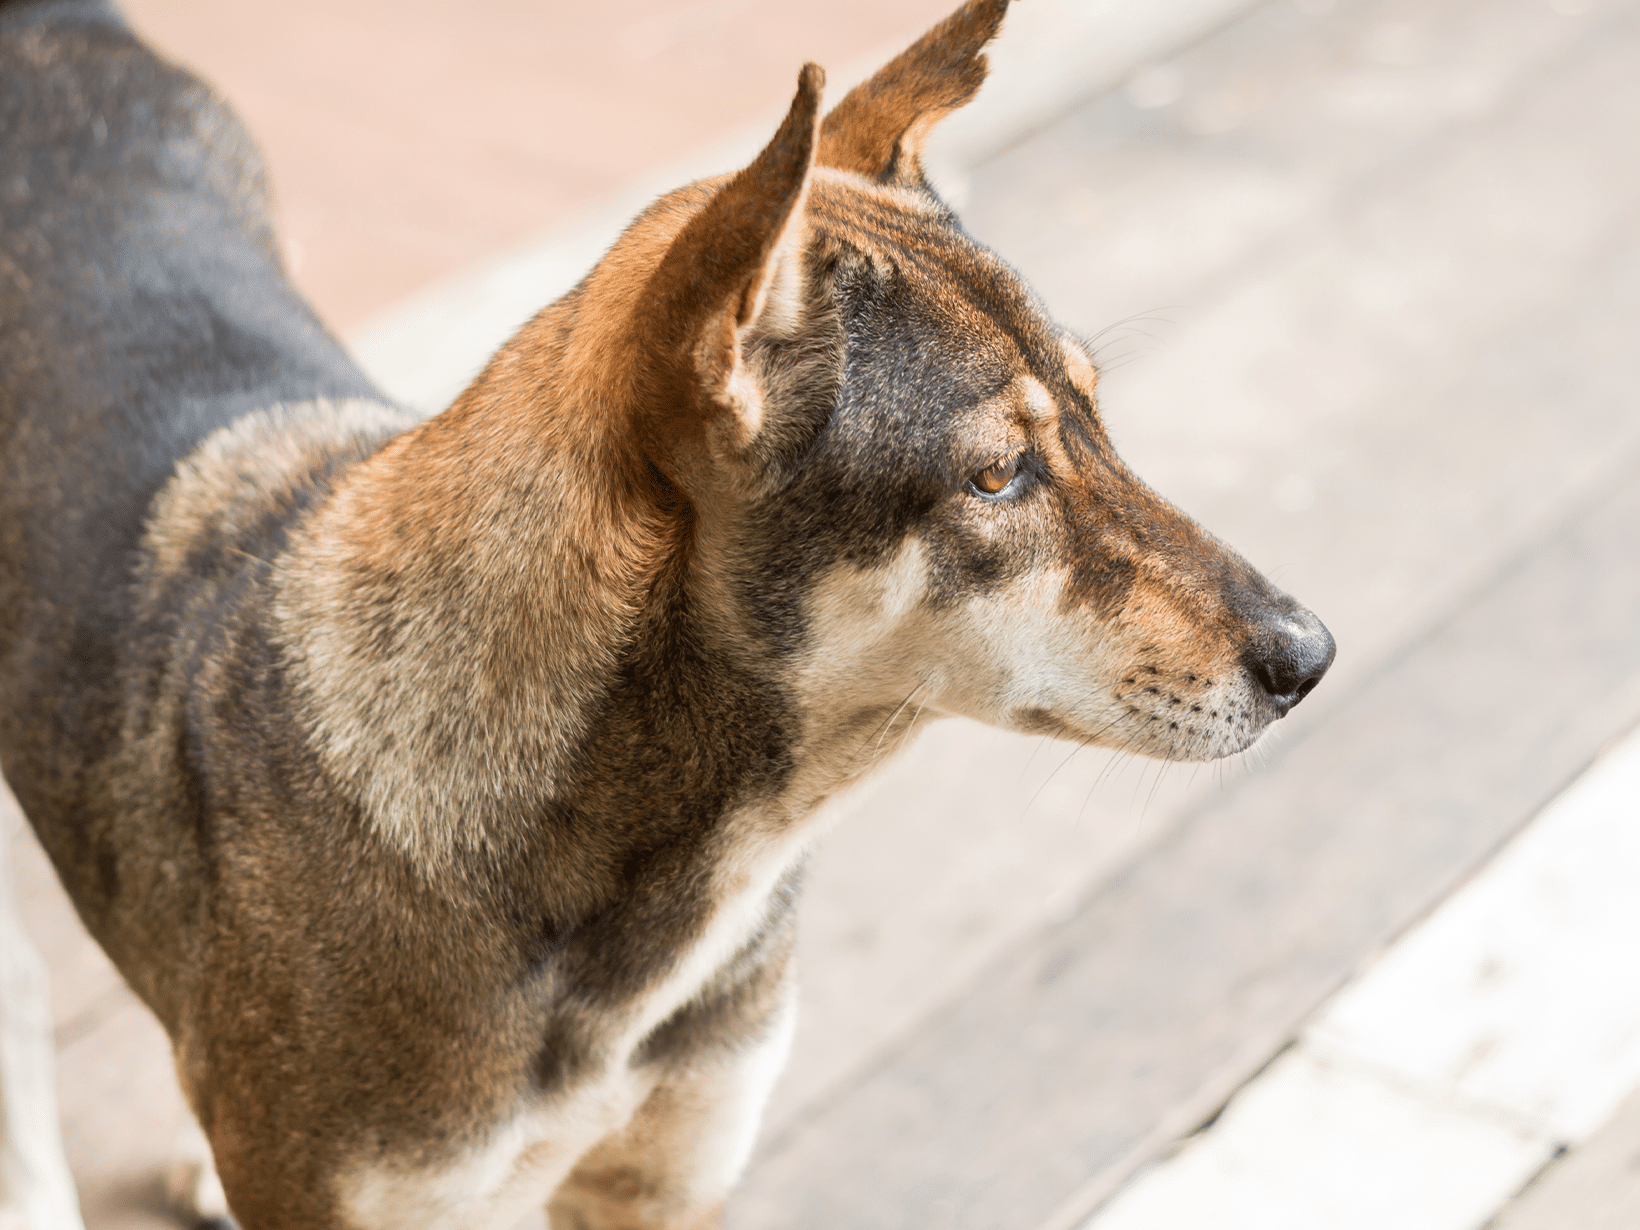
(879, 128)
(736, 268)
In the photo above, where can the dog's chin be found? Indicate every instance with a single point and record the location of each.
(1239, 724)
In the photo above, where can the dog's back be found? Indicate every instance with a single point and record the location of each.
(142, 306)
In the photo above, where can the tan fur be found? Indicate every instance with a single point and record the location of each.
(547, 518)
(556, 544)
(261, 459)
(676, 1160)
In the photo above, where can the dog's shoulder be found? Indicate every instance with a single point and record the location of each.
(240, 488)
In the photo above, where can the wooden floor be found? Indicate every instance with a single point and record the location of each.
(1376, 269)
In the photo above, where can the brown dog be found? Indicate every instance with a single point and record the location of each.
(443, 787)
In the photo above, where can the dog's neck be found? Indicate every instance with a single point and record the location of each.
(507, 600)
(457, 610)
(507, 592)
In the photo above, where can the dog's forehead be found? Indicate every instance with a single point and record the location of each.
(941, 330)
(941, 276)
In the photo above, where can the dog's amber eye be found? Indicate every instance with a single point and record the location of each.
(993, 478)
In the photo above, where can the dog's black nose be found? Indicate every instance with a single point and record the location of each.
(1288, 656)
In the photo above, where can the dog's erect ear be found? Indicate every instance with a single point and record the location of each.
(879, 128)
(738, 264)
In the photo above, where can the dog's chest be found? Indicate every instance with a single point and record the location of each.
(517, 1163)
(743, 887)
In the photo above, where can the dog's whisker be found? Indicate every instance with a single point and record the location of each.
(1114, 765)
(1151, 314)
(881, 729)
(1118, 361)
(1088, 741)
(890, 723)
(255, 559)
(1029, 803)
(910, 726)
(1041, 742)
(1098, 777)
(1166, 765)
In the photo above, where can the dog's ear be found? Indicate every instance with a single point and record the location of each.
(737, 265)
(879, 128)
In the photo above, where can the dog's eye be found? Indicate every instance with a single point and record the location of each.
(994, 478)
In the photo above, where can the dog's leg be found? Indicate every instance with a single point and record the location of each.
(36, 1190)
(673, 1165)
(192, 1185)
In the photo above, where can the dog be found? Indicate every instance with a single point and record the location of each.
(444, 786)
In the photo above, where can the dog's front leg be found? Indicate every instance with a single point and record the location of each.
(192, 1185)
(673, 1165)
(36, 1190)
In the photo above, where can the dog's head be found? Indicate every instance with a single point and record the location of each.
(897, 476)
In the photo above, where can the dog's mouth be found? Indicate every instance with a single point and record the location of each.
(1197, 716)
(1221, 727)
(1171, 712)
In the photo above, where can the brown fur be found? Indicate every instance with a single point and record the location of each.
(878, 130)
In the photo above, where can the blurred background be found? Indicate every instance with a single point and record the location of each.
(1364, 280)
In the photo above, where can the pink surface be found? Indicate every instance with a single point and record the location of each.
(408, 140)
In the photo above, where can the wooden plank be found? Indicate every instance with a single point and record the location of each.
(1596, 1187)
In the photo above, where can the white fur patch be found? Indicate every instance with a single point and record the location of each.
(865, 619)
(496, 1183)
(191, 1182)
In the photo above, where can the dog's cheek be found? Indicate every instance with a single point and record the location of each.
(861, 625)
(994, 639)
(1044, 630)
(1018, 656)
(977, 549)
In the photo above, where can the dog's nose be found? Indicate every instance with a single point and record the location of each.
(1288, 656)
